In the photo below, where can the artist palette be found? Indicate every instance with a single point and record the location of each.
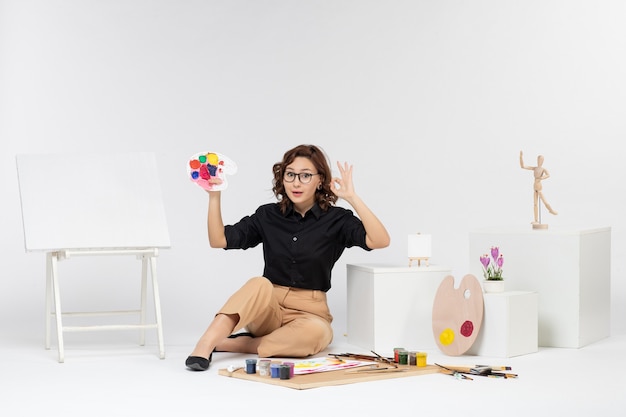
(457, 314)
(209, 169)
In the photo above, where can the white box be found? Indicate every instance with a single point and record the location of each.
(510, 325)
(391, 306)
(569, 269)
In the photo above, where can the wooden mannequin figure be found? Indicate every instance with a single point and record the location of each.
(540, 174)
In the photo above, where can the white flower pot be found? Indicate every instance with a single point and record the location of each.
(493, 286)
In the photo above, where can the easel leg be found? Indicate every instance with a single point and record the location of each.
(57, 305)
(48, 297)
(419, 261)
(144, 285)
(157, 306)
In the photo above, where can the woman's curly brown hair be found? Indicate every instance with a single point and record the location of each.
(324, 195)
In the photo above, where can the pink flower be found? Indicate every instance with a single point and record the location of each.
(492, 270)
(500, 261)
(485, 260)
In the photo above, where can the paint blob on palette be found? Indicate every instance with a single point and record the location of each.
(209, 170)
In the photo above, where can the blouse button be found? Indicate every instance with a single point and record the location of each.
(295, 238)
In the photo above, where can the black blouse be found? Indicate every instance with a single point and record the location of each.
(298, 251)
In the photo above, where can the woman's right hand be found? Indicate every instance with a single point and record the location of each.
(214, 181)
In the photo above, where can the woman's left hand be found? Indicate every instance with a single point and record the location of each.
(343, 187)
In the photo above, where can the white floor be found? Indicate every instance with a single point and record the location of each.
(125, 380)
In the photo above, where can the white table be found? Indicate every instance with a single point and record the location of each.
(510, 325)
(570, 269)
(391, 306)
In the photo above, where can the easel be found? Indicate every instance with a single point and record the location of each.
(419, 248)
(419, 260)
(53, 298)
(121, 215)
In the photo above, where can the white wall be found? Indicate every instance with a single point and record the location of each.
(430, 100)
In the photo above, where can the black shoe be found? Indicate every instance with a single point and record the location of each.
(197, 363)
(236, 335)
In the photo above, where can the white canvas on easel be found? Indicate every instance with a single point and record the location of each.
(95, 200)
(93, 205)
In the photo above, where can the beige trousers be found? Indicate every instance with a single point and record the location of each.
(291, 322)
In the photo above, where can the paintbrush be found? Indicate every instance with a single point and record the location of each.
(480, 371)
(492, 367)
(502, 375)
(375, 370)
(495, 368)
(454, 373)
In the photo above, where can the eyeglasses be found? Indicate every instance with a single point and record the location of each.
(304, 177)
